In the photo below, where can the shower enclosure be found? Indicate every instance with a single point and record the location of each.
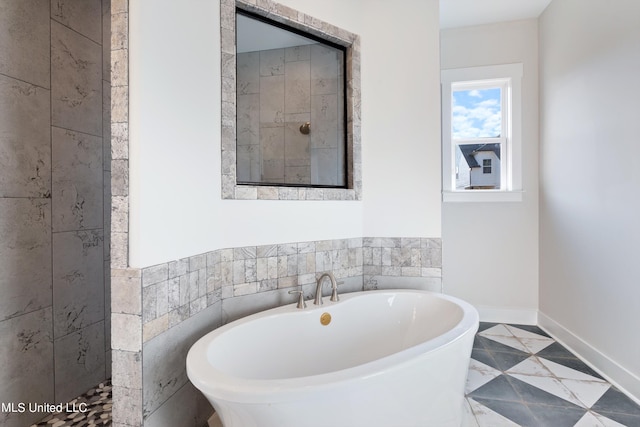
(290, 107)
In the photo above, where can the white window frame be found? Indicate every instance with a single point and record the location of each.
(509, 78)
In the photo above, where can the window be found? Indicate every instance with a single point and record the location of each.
(486, 166)
(481, 133)
(252, 169)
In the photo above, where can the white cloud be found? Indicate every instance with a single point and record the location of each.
(476, 113)
(483, 119)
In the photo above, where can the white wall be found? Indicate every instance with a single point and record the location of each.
(176, 209)
(490, 249)
(590, 179)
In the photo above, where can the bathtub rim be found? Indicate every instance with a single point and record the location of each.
(220, 385)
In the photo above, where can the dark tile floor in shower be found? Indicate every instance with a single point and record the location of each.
(518, 376)
(91, 409)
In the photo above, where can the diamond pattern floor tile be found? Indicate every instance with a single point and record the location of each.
(550, 385)
(587, 392)
(505, 360)
(540, 383)
(479, 374)
(486, 417)
(617, 406)
(562, 371)
(555, 416)
(517, 413)
(530, 366)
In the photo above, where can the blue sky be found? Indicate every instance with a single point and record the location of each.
(476, 113)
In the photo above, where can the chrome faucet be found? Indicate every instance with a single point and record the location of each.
(334, 288)
(301, 304)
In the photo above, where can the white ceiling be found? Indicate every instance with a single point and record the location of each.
(463, 13)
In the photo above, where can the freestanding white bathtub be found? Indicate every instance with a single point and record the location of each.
(385, 359)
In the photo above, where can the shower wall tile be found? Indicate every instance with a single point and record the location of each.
(106, 39)
(325, 166)
(83, 16)
(127, 407)
(272, 143)
(119, 25)
(127, 370)
(106, 125)
(296, 80)
(79, 361)
(119, 251)
(129, 336)
(297, 175)
(248, 119)
(248, 130)
(325, 70)
(248, 163)
(119, 141)
(119, 67)
(54, 71)
(248, 73)
(297, 53)
(106, 213)
(78, 280)
(76, 81)
(120, 177)
(107, 318)
(119, 6)
(271, 62)
(324, 117)
(273, 171)
(26, 357)
(271, 101)
(25, 255)
(77, 186)
(25, 142)
(24, 27)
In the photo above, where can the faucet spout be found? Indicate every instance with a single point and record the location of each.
(334, 288)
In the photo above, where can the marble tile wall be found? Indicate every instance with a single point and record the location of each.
(53, 85)
(230, 283)
(125, 291)
(279, 90)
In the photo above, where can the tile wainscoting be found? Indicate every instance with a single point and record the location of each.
(160, 311)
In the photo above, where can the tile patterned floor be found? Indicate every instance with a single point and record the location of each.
(519, 376)
(91, 409)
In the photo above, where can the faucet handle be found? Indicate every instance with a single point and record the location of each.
(334, 293)
(301, 303)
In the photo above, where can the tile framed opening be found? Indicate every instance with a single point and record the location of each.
(278, 13)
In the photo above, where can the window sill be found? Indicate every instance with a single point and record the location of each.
(482, 196)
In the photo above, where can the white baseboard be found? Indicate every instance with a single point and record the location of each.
(507, 315)
(613, 372)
